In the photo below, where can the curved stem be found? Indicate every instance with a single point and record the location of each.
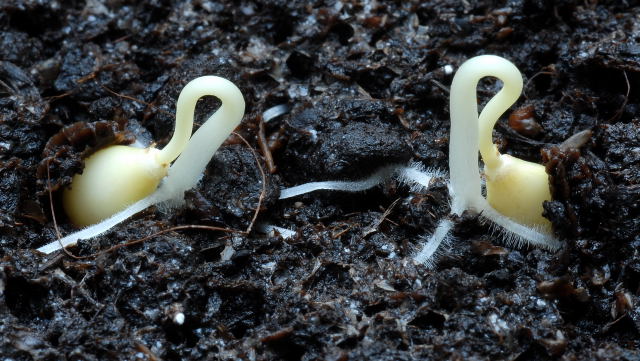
(185, 108)
(470, 133)
(186, 171)
(506, 97)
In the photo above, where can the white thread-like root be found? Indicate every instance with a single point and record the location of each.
(440, 237)
(347, 186)
(414, 175)
(103, 226)
(417, 176)
(517, 235)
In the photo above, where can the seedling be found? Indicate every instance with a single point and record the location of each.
(124, 180)
(515, 188)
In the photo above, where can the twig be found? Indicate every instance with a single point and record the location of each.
(59, 96)
(441, 86)
(135, 100)
(379, 221)
(264, 182)
(626, 99)
(343, 231)
(145, 350)
(53, 213)
(264, 147)
(541, 72)
(161, 232)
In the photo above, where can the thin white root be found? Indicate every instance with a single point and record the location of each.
(414, 175)
(417, 176)
(517, 235)
(101, 227)
(373, 180)
(442, 235)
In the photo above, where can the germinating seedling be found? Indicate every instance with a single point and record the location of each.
(120, 181)
(515, 188)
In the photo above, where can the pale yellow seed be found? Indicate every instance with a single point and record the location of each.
(112, 179)
(517, 189)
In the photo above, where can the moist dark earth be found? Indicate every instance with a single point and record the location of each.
(365, 85)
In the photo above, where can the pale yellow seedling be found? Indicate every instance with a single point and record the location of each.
(118, 176)
(515, 188)
(124, 179)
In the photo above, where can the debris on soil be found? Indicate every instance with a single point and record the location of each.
(63, 154)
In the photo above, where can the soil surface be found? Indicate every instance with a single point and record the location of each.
(365, 85)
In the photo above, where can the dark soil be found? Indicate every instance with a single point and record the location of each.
(366, 83)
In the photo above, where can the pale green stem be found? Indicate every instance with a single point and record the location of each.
(185, 108)
(510, 92)
(470, 132)
(186, 171)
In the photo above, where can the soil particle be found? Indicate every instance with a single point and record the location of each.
(21, 99)
(621, 142)
(10, 185)
(335, 137)
(63, 154)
